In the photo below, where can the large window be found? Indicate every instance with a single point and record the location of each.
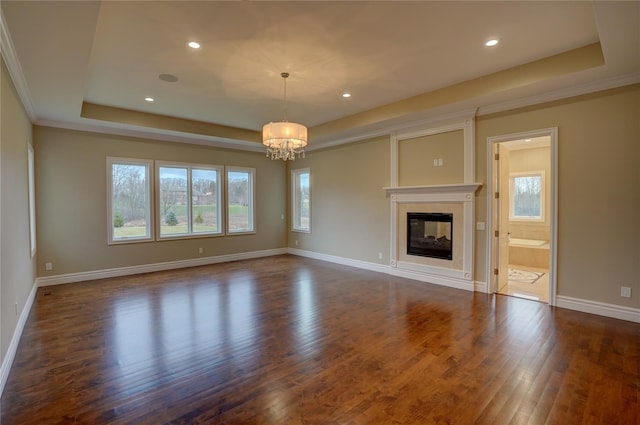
(301, 200)
(129, 199)
(240, 200)
(32, 200)
(188, 200)
(527, 196)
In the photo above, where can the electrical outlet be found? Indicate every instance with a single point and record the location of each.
(200, 250)
(16, 308)
(380, 255)
(480, 225)
(48, 266)
(296, 242)
(625, 291)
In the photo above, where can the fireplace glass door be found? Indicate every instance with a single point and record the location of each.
(430, 235)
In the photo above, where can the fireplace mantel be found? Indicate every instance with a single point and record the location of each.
(441, 188)
(457, 199)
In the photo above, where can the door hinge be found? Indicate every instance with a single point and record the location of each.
(495, 271)
(497, 195)
(496, 233)
(496, 156)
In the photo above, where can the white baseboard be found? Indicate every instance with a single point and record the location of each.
(601, 309)
(451, 282)
(382, 268)
(480, 287)
(5, 368)
(156, 267)
(586, 306)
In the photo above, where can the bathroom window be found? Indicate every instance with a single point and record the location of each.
(527, 196)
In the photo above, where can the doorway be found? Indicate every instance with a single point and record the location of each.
(523, 212)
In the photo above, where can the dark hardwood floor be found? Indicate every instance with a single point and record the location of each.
(289, 340)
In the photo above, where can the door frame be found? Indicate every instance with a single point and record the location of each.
(491, 248)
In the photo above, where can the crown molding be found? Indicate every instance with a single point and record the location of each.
(159, 135)
(563, 93)
(10, 57)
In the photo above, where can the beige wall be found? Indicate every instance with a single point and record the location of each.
(349, 210)
(17, 268)
(72, 202)
(599, 200)
(416, 155)
(598, 194)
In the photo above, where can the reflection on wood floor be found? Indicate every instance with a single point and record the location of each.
(289, 340)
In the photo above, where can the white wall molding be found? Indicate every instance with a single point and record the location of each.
(601, 309)
(585, 306)
(479, 286)
(562, 93)
(492, 254)
(15, 69)
(148, 268)
(5, 368)
(434, 279)
(366, 265)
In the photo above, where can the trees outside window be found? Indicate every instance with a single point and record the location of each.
(240, 200)
(527, 196)
(188, 199)
(129, 214)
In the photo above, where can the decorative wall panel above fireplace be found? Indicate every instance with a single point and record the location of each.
(441, 158)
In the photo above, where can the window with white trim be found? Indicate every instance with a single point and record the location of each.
(527, 196)
(240, 200)
(129, 200)
(32, 200)
(301, 200)
(189, 200)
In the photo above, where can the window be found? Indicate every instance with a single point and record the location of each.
(301, 200)
(240, 200)
(527, 196)
(129, 200)
(32, 200)
(188, 200)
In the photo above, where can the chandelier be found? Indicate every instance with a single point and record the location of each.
(284, 140)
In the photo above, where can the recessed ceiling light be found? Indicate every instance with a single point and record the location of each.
(492, 42)
(193, 44)
(169, 78)
(149, 99)
(346, 94)
(527, 140)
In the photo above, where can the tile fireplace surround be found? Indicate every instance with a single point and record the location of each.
(456, 199)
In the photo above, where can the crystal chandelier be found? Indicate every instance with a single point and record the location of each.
(284, 140)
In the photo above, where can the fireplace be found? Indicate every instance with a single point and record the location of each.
(430, 235)
(451, 207)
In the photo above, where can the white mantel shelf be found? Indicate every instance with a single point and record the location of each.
(441, 188)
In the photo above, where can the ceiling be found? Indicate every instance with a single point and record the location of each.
(89, 65)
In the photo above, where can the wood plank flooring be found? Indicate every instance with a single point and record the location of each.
(290, 340)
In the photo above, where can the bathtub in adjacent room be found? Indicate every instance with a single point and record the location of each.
(529, 252)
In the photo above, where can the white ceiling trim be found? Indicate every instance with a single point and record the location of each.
(15, 70)
(152, 134)
(563, 93)
(364, 134)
